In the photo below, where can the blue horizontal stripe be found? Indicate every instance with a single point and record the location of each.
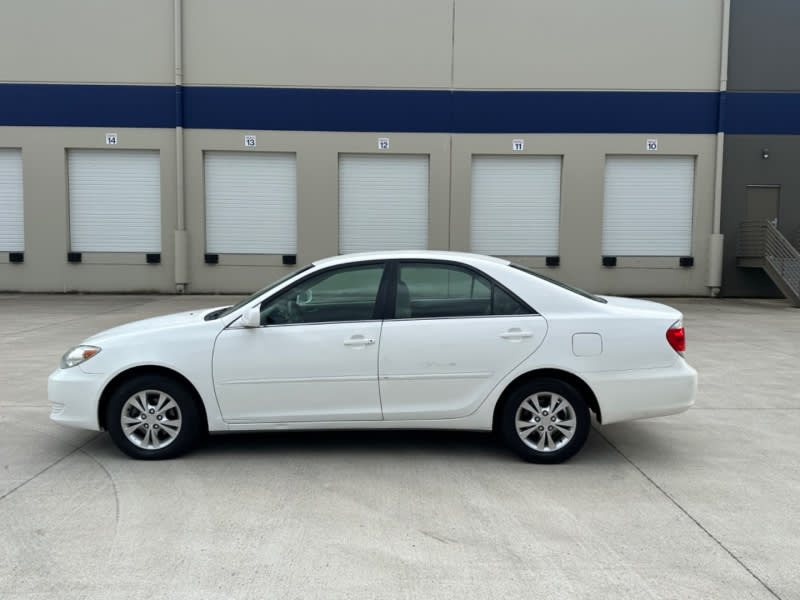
(445, 111)
(762, 113)
(299, 109)
(61, 105)
(585, 112)
(296, 109)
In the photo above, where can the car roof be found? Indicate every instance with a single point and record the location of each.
(447, 255)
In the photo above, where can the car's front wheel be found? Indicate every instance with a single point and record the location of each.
(153, 417)
(545, 421)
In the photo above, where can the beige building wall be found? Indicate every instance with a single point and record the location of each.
(46, 215)
(581, 228)
(317, 198)
(458, 44)
(360, 44)
(580, 236)
(347, 43)
(86, 41)
(587, 44)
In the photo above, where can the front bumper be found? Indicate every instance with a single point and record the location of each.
(74, 397)
(639, 394)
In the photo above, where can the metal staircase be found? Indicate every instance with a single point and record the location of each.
(762, 246)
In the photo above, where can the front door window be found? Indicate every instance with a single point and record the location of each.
(346, 294)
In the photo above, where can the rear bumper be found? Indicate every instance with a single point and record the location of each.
(628, 395)
(73, 397)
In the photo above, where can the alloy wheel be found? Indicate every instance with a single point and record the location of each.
(545, 421)
(151, 419)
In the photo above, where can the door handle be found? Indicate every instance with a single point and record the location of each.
(359, 341)
(516, 334)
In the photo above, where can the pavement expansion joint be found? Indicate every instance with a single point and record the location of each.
(689, 515)
(110, 479)
(50, 466)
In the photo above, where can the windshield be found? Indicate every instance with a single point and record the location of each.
(560, 284)
(222, 313)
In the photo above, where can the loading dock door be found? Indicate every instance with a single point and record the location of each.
(515, 205)
(251, 203)
(114, 200)
(647, 209)
(12, 236)
(383, 202)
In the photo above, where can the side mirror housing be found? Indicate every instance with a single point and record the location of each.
(251, 317)
(304, 297)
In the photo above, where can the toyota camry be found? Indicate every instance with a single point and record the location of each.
(389, 340)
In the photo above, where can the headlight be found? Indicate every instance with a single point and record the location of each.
(77, 355)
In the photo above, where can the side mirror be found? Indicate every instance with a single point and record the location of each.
(304, 298)
(251, 317)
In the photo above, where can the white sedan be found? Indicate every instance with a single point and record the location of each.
(388, 340)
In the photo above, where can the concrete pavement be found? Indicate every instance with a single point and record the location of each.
(699, 505)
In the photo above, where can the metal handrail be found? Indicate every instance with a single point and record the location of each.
(761, 239)
(751, 240)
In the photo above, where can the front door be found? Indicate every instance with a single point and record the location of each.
(313, 359)
(763, 203)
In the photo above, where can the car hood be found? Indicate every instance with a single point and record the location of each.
(643, 306)
(151, 325)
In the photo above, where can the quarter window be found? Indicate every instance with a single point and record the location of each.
(346, 294)
(427, 290)
(505, 304)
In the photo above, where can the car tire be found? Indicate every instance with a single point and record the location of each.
(545, 421)
(153, 417)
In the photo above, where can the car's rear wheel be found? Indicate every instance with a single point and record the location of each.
(152, 417)
(545, 421)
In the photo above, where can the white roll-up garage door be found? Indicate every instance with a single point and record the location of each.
(515, 205)
(647, 209)
(12, 237)
(383, 202)
(251, 203)
(114, 200)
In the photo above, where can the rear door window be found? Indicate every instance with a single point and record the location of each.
(438, 290)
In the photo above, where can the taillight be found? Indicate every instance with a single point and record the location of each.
(677, 337)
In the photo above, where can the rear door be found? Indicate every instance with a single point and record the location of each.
(455, 335)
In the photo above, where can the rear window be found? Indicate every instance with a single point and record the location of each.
(562, 285)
